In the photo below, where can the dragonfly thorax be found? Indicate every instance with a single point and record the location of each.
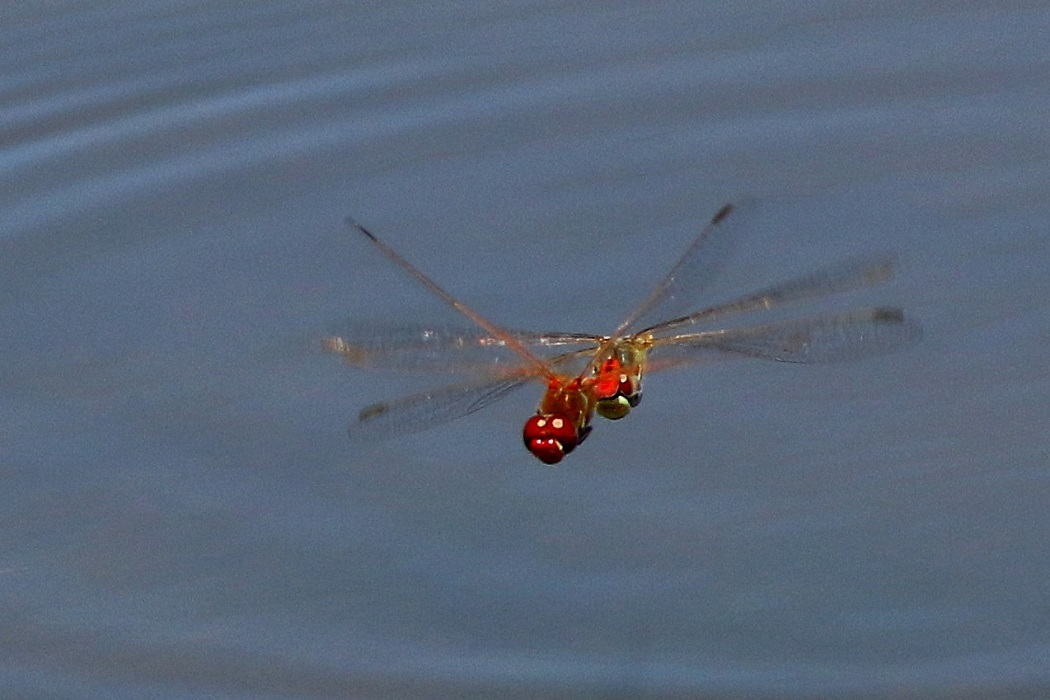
(618, 386)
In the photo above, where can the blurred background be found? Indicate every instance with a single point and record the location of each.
(183, 515)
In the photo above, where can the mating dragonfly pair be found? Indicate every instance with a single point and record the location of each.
(587, 374)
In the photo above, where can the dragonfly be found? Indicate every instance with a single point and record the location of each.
(586, 374)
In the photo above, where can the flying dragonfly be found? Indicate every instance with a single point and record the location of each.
(586, 373)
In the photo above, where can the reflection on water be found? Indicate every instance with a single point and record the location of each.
(184, 517)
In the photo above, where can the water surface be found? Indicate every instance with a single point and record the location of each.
(184, 516)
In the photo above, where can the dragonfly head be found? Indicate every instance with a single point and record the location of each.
(616, 407)
(550, 436)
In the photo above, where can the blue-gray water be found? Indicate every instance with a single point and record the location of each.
(183, 516)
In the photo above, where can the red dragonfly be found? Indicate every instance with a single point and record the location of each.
(587, 374)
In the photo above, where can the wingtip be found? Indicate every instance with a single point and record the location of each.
(722, 213)
(909, 328)
(353, 223)
(373, 411)
(887, 314)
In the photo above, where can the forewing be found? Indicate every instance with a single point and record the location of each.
(440, 348)
(694, 271)
(853, 273)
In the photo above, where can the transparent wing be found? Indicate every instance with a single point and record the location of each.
(436, 406)
(853, 273)
(441, 348)
(833, 338)
(694, 271)
(491, 328)
(430, 408)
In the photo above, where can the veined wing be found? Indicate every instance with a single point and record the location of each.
(693, 271)
(832, 338)
(426, 409)
(853, 273)
(527, 356)
(442, 348)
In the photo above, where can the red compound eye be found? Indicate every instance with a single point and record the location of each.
(547, 450)
(549, 437)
